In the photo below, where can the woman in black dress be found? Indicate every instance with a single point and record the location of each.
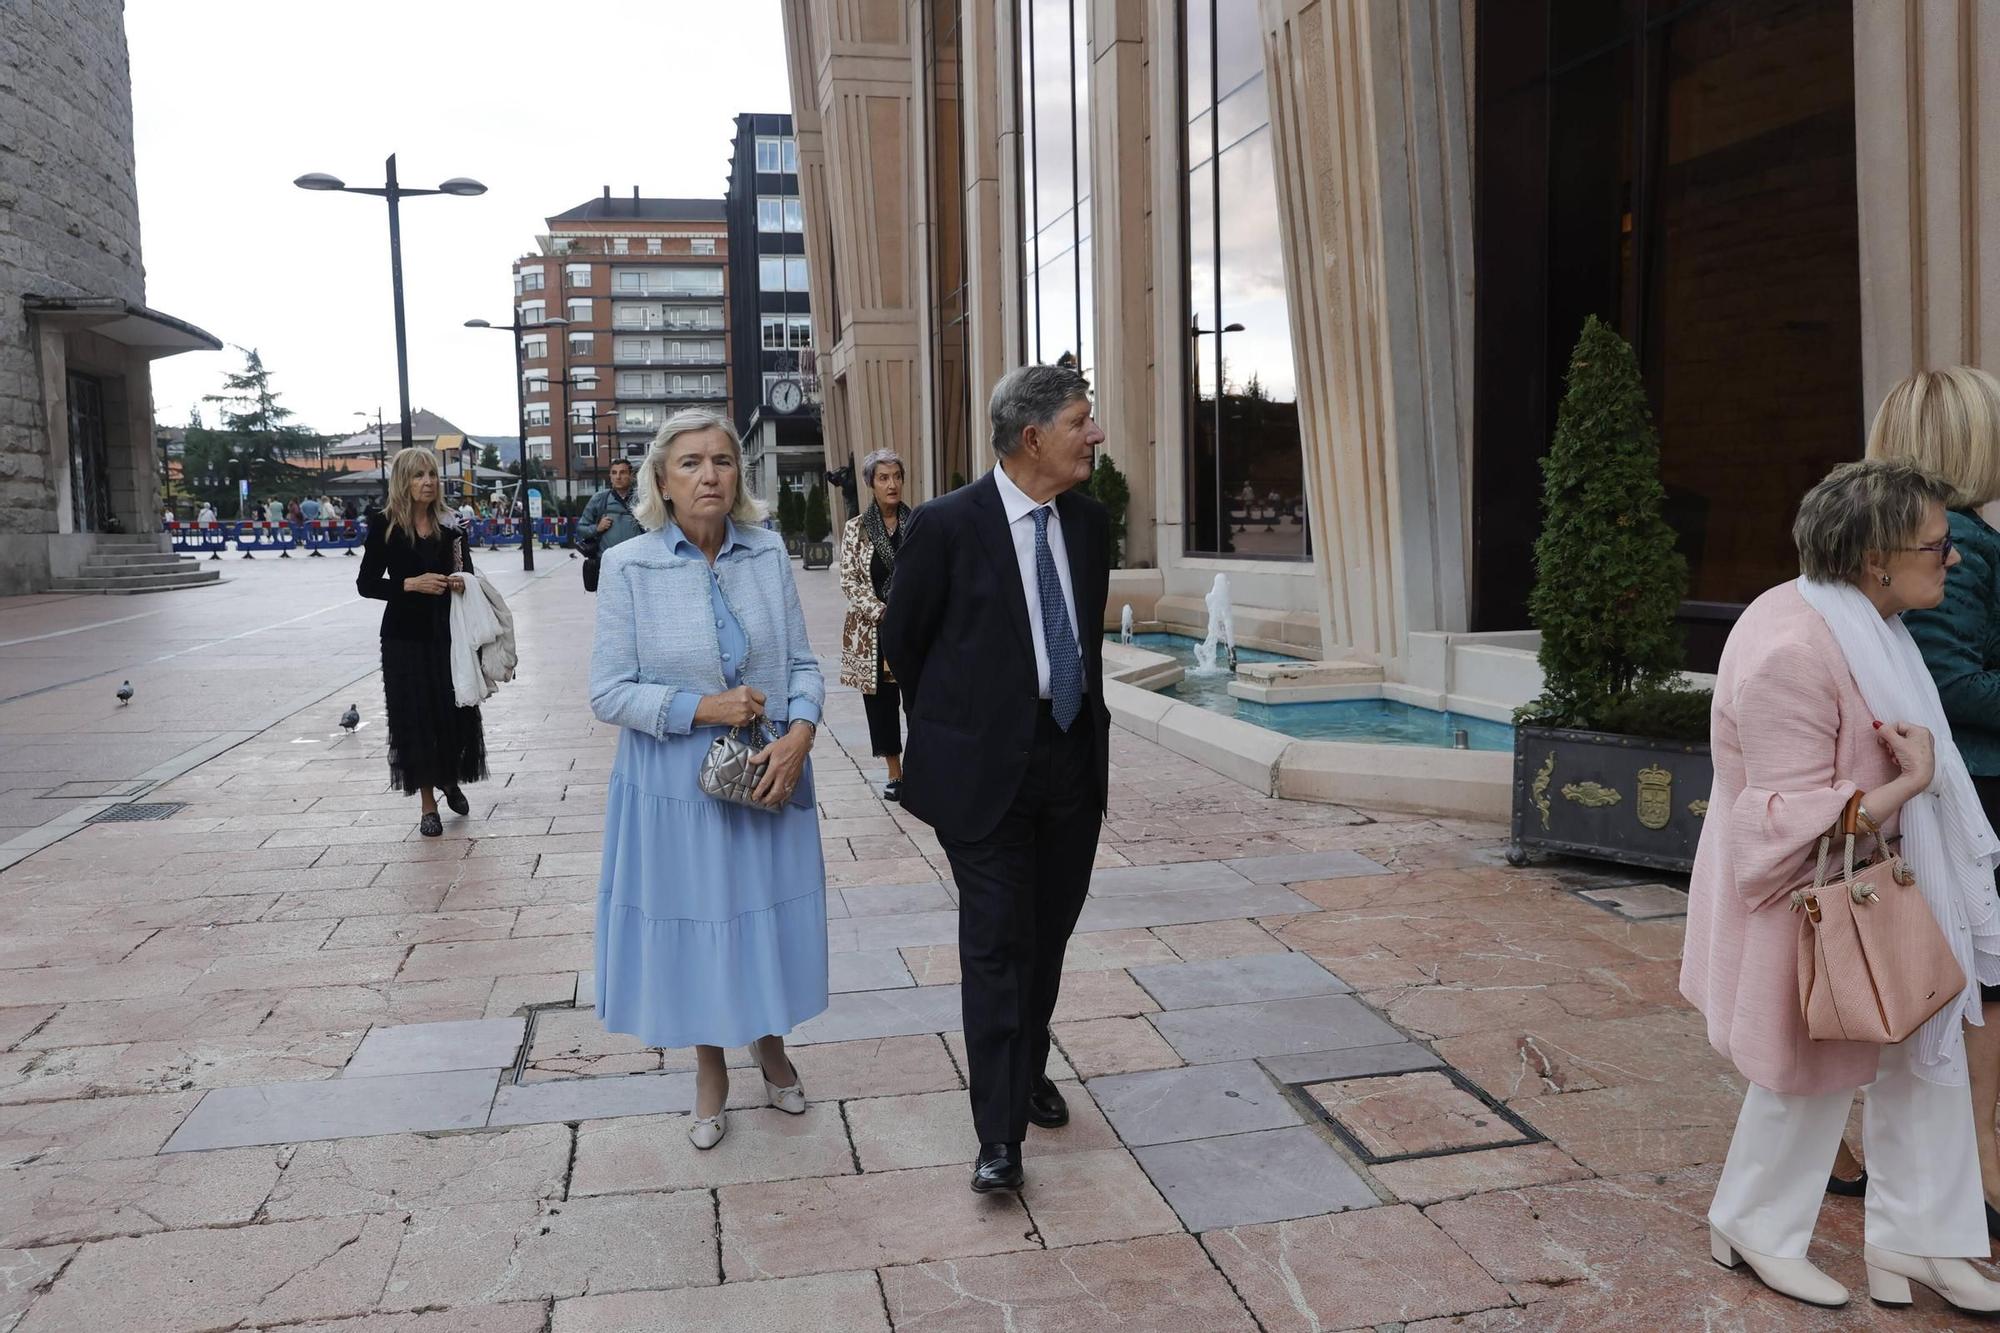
(413, 559)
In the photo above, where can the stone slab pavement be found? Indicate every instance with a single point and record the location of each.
(278, 1062)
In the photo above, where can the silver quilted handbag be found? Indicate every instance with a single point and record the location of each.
(726, 771)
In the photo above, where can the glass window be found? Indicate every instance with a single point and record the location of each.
(584, 377)
(795, 216)
(535, 348)
(1245, 472)
(538, 381)
(538, 416)
(577, 275)
(701, 245)
(533, 312)
(1055, 169)
(795, 273)
(579, 309)
(768, 155)
(770, 213)
(619, 245)
(652, 245)
(581, 343)
(774, 333)
(532, 281)
(771, 273)
(790, 159)
(801, 331)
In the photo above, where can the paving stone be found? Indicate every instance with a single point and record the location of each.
(1641, 902)
(154, 1018)
(1157, 1284)
(653, 1152)
(1083, 1197)
(1271, 976)
(489, 1252)
(499, 958)
(1318, 1066)
(1427, 1180)
(932, 964)
(873, 969)
(1267, 1176)
(898, 931)
(935, 1129)
(1272, 1027)
(25, 1275)
(1292, 869)
(1217, 939)
(882, 1013)
(73, 1201)
(200, 1279)
(1397, 1115)
(425, 1048)
(1164, 878)
(594, 1098)
(1102, 993)
(336, 1109)
(1197, 1102)
(1099, 1046)
(895, 899)
(848, 1302)
(1183, 906)
(1055, 1066)
(842, 1223)
(403, 1171)
(92, 1129)
(1097, 950)
(1383, 1266)
(514, 1317)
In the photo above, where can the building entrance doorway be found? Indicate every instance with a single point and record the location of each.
(89, 465)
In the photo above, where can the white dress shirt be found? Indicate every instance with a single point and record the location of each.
(1021, 526)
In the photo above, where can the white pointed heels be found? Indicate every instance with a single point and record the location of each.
(792, 1100)
(1890, 1275)
(707, 1130)
(1797, 1278)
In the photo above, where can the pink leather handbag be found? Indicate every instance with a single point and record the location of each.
(1873, 964)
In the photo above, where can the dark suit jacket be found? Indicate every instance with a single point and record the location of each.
(956, 636)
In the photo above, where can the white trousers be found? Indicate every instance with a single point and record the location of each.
(1922, 1153)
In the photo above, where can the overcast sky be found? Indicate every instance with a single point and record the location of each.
(545, 104)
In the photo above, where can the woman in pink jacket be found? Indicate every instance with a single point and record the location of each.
(1822, 695)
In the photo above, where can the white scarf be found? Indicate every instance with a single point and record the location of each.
(1946, 838)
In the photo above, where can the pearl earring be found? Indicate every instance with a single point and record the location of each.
(1885, 580)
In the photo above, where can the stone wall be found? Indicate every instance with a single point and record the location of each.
(69, 214)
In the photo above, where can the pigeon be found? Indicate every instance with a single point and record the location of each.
(350, 719)
(125, 694)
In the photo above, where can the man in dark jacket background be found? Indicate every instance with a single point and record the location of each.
(607, 518)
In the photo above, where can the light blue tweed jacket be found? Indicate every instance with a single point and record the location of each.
(657, 638)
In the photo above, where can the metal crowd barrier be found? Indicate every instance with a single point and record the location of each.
(254, 536)
(332, 534)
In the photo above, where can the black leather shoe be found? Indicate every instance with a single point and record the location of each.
(998, 1168)
(1046, 1106)
(893, 791)
(1992, 1219)
(431, 826)
(1855, 1188)
(455, 798)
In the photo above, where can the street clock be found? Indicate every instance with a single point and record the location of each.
(786, 395)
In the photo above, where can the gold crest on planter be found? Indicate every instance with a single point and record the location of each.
(1656, 797)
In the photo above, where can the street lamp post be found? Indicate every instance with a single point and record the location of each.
(515, 330)
(394, 193)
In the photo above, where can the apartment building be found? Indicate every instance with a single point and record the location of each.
(623, 312)
(776, 401)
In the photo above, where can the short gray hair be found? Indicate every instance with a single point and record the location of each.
(654, 511)
(1031, 396)
(1874, 505)
(877, 459)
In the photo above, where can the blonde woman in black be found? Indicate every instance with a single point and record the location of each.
(413, 560)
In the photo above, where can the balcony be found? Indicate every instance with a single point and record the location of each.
(715, 361)
(629, 322)
(665, 294)
(660, 393)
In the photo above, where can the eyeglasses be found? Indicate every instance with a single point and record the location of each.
(1944, 546)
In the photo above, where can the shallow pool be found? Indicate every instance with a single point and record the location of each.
(1375, 721)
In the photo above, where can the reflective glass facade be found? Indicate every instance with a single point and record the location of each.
(1055, 181)
(1244, 475)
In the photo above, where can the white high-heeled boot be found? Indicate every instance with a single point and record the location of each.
(1890, 1275)
(1796, 1278)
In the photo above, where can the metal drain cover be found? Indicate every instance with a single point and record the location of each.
(132, 812)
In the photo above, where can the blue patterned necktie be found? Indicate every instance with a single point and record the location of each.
(1065, 662)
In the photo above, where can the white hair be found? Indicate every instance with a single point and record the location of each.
(654, 510)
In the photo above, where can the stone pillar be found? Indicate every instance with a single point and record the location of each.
(992, 138)
(1370, 132)
(1927, 130)
(854, 86)
(1120, 189)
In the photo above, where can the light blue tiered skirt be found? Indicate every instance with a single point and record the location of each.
(711, 917)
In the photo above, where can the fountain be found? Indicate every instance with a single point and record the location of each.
(1125, 624)
(1221, 629)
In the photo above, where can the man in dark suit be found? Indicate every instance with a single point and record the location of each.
(994, 629)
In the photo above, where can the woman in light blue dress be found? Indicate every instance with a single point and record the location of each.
(711, 916)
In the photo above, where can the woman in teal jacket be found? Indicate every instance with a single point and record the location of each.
(1949, 420)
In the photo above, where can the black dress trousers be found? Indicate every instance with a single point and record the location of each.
(1020, 891)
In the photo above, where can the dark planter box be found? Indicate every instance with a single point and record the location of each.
(795, 545)
(819, 555)
(1618, 798)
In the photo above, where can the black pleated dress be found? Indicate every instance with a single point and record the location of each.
(432, 741)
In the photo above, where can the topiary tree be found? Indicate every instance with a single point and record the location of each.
(791, 512)
(818, 523)
(1608, 579)
(1108, 486)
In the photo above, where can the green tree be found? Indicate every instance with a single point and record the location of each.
(1108, 486)
(791, 512)
(489, 457)
(817, 521)
(1608, 578)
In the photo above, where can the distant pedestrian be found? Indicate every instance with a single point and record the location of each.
(274, 510)
(293, 513)
(167, 516)
(309, 509)
(415, 554)
(868, 549)
(207, 514)
(606, 521)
